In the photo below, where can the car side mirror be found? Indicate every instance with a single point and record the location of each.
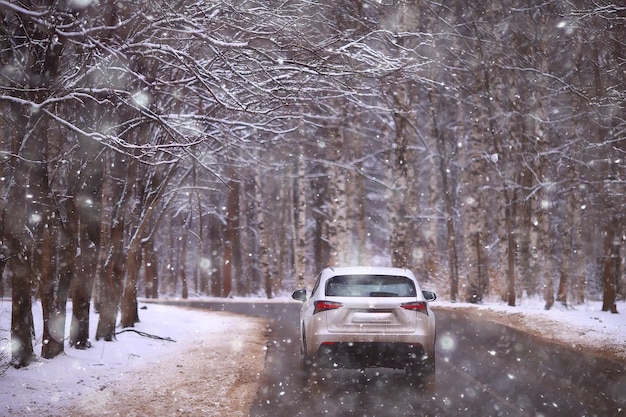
(429, 295)
(299, 295)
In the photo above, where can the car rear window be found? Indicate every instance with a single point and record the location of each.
(370, 286)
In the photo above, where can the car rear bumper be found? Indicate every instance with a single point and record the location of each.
(316, 340)
(369, 354)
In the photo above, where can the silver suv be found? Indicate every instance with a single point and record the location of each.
(358, 317)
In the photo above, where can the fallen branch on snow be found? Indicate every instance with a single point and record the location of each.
(144, 334)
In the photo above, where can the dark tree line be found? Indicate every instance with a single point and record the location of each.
(236, 147)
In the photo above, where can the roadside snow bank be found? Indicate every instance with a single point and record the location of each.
(582, 327)
(212, 369)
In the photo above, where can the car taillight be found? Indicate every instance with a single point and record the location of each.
(325, 306)
(416, 306)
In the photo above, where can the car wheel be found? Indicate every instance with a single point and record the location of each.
(309, 370)
(307, 365)
(423, 372)
(428, 377)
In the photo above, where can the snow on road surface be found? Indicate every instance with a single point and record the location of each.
(214, 368)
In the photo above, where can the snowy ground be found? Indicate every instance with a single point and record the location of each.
(582, 327)
(214, 367)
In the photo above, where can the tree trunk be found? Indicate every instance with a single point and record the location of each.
(53, 321)
(86, 189)
(300, 221)
(551, 267)
(338, 236)
(3, 263)
(526, 229)
(116, 195)
(20, 243)
(216, 231)
(364, 256)
(182, 260)
(511, 249)
(453, 263)
(245, 242)
(83, 285)
(320, 238)
(67, 268)
(478, 281)
(238, 269)
(232, 236)
(565, 268)
(151, 268)
(612, 265)
(22, 327)
(169, 280)
(448, 191)
(128, 311)
(43, 259)
(112, 278)
(577, 260)
(146, 204)
(400, 194)
(264, 264)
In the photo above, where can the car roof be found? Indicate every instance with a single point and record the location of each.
(366, 270)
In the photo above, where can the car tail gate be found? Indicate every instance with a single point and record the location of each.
(373, 303)
(379, 316)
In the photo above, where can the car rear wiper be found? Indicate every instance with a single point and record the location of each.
(383, 294)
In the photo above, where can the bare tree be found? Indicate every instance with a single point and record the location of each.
(107, 109)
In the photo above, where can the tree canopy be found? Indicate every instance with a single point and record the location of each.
(236, 147)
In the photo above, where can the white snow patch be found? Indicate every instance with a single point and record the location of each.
(583, 327)
(216, 360)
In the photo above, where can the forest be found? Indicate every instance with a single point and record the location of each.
(236, 147)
